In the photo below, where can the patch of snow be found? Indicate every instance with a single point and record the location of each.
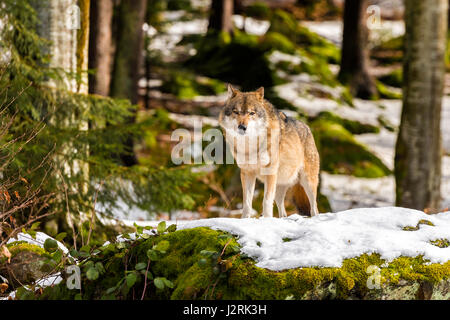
(381, 144)
(252, 26)
(346, 192)
(332, 30)
(278, 56)
(39, 241)
(327, 239)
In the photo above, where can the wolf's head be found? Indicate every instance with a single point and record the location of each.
(244, 112)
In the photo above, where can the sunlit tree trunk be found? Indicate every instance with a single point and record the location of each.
(100, 47)
(65, 23)
(128, 60)
(419, 146)
(354, 69)
(220, 18)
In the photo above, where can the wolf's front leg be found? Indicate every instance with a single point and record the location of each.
(270, 185)
(248, 187)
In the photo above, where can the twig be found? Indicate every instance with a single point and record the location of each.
(145, 280)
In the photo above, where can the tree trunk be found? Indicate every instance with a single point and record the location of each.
(65, 23)
(100, 48)
(419, 145)
(355, 57)
(220, 18)
(128, 60)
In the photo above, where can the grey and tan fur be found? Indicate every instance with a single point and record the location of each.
(289, 158)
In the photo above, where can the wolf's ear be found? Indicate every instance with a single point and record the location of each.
(260, 93)
(232, 92)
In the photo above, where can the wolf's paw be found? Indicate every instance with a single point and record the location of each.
(249, 214)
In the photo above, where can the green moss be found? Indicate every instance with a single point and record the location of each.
(389, 52)
(242, 280)
(447, 53)
(276, 41)
(258, 10)
(179, 5)
(340, 153)
(417, 227)
(228, 61)
(19, 246)
(353, 126)
(186, 85)
(441, 243)
(385, 92)
(393, 79)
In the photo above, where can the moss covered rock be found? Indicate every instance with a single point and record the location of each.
(340, 153)
(201, 263)
(25, 265)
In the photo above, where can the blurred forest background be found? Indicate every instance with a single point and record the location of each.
(90, 92)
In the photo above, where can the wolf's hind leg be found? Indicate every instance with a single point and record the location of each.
(310, 187)
(280, 194)
(248, 180)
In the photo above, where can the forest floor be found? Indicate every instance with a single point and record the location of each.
(343, 191)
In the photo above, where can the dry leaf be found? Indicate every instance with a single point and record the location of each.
(6, 253)
(3, 287)
(17, 195)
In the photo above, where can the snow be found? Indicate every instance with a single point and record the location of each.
(252, 26)
(332, 30)
(327, 239)
(39, 241)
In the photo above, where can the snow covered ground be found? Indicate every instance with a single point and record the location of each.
(327, 239)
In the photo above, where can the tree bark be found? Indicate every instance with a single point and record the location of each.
(354, 69)
(100, 48)
(128, 60)
(419, 146)
(220, 18)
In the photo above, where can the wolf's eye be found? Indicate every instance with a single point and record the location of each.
(235, 111)
(252, 113)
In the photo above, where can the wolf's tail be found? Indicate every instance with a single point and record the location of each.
(301, 200)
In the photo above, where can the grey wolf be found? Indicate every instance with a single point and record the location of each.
(283, 151)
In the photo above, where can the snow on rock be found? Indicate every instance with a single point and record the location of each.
(39, 241)
(327, 239)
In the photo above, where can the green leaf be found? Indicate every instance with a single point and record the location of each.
(139, 229)
(78, 296)
(152, 255)
(168, 283)
(161, 227)
(159, 282)
(50, 245)
(141, 266)
(172, 228)
(110, 290)
(86, 248)
(131, 279)
(61, 236)
(162, 246)
(57, 256)
(99, 267)
(92, 273)
(35, 225)
(74, 253)
(145, 236)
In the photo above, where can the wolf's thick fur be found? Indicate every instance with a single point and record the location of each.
(285, 152)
